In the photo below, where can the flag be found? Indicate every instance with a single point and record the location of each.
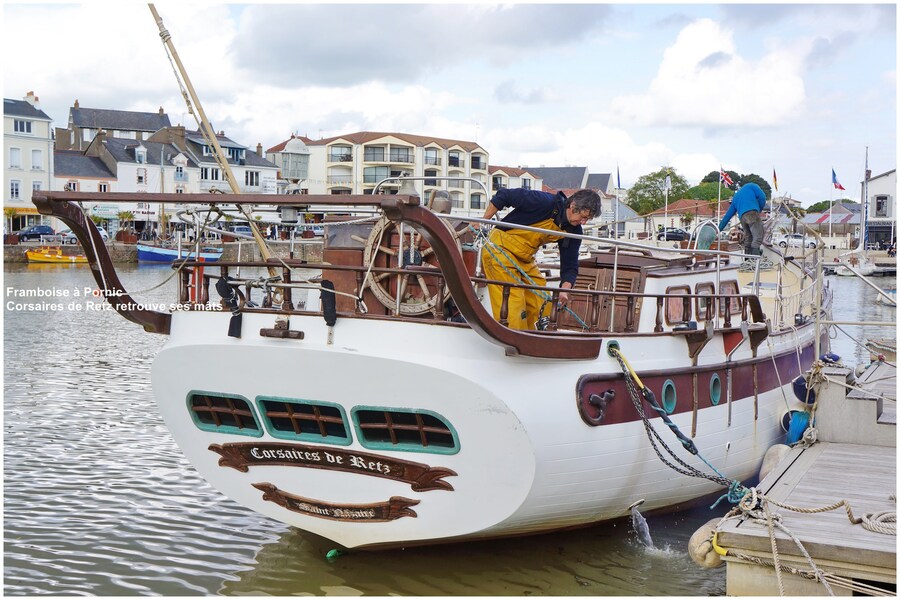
(725, 177)
(668, 182)
(837, 184)
(775, 179)
(618, 178)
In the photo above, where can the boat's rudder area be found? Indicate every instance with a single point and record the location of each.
(377, 451)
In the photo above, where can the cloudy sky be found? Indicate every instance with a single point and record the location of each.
(799, 88)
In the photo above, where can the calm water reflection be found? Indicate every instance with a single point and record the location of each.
(100, 501)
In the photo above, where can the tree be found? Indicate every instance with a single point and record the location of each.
(125, 216)
(713, 177)
(648, 192)
(10, 214)
(709, 191)
(824, 205)
(762, 183)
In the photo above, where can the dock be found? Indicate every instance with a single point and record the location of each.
(855, 460)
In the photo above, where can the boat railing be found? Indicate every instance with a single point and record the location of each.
(681, 312)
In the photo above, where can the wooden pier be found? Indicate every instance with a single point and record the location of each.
(854, 459)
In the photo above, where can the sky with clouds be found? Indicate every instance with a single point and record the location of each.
(799, 88)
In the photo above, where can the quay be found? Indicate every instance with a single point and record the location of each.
(855, 460)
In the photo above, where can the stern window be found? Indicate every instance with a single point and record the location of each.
(410, 430)
(223, 413)
(292, 419)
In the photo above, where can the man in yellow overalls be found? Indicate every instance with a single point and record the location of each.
(508, 255)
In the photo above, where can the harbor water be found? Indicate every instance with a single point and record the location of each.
(98, 499)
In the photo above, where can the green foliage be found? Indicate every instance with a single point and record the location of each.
(823, 206)
(648, 192)
(754, 178)
(709, 191)
(713, 177)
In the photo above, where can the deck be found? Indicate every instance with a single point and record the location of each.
(861, 468)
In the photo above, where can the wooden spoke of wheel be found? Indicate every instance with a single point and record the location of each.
(408, 304)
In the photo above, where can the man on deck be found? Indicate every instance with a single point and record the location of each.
(508, 255)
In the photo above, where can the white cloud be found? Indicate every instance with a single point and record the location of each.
(702, 81)
(596, 146)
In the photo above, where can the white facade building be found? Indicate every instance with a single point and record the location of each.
(882, 206)
(28, 160)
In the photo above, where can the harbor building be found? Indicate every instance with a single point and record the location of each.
(28, 154)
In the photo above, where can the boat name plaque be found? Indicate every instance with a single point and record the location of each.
(243, 455)
(391, 510)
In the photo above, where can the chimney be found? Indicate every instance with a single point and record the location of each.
(33, 100)
(76, 103)
(259, 149)
(161, 111)
(868, 174)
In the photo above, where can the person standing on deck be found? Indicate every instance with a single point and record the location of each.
(508, 255)
(748, 203)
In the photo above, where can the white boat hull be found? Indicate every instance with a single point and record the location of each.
(525, 460)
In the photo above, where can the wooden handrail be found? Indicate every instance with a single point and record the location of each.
(101, 263)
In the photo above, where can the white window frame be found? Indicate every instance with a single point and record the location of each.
(36, 185)
(37, 165)
(15, 190)
(142, 176)
(103, 186)
(15, 164)
(22, 126)
(251, 178)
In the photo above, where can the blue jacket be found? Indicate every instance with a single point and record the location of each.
(533, 206)
(749, 197)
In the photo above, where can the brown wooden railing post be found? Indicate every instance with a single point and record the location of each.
(594, 325)
(286, 291)
(184, 287)
(204, 289)
(686, 309)
(504, 306)
(629, 314)
(744, 309)
(727, 312)
(659, 314)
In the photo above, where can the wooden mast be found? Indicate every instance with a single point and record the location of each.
(210, 135)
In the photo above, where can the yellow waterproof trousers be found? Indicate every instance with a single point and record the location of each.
(509, 256)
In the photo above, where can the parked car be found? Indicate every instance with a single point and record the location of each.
(69, 238)
(242, 229)
(796, 240)
(673, 234)
(35, 232)
(318, 230)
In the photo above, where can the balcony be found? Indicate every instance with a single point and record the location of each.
(433, 160)
(401, 157)
(479, 163)
(340, 179)
(498, 185)
(456, 161)
(340, 158)
(181, 177)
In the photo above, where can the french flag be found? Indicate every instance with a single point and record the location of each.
(837, 184)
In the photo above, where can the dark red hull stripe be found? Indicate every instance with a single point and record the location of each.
(762, 374)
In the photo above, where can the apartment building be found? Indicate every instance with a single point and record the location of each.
(171, 160)
(882, 206)
(28, 158)
(365, 162)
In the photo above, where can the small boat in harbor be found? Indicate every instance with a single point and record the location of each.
(163, 254)
(54, 255)
(858, 262)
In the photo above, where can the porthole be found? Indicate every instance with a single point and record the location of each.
(668, 396)
(223, 413)
(715, 389)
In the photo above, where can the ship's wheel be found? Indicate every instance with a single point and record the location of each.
(419, 292)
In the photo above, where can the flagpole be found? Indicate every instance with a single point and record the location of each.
(719, 200)
(865, 236)
(666, 204)
(616, 215)
(830, 210)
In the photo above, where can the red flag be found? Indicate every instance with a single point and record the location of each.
(775, 179)
(725, 177)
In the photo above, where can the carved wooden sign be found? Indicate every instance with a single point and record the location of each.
(378, 512)
(243, 455)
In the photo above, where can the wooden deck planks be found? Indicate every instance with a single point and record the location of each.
(820, 475)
